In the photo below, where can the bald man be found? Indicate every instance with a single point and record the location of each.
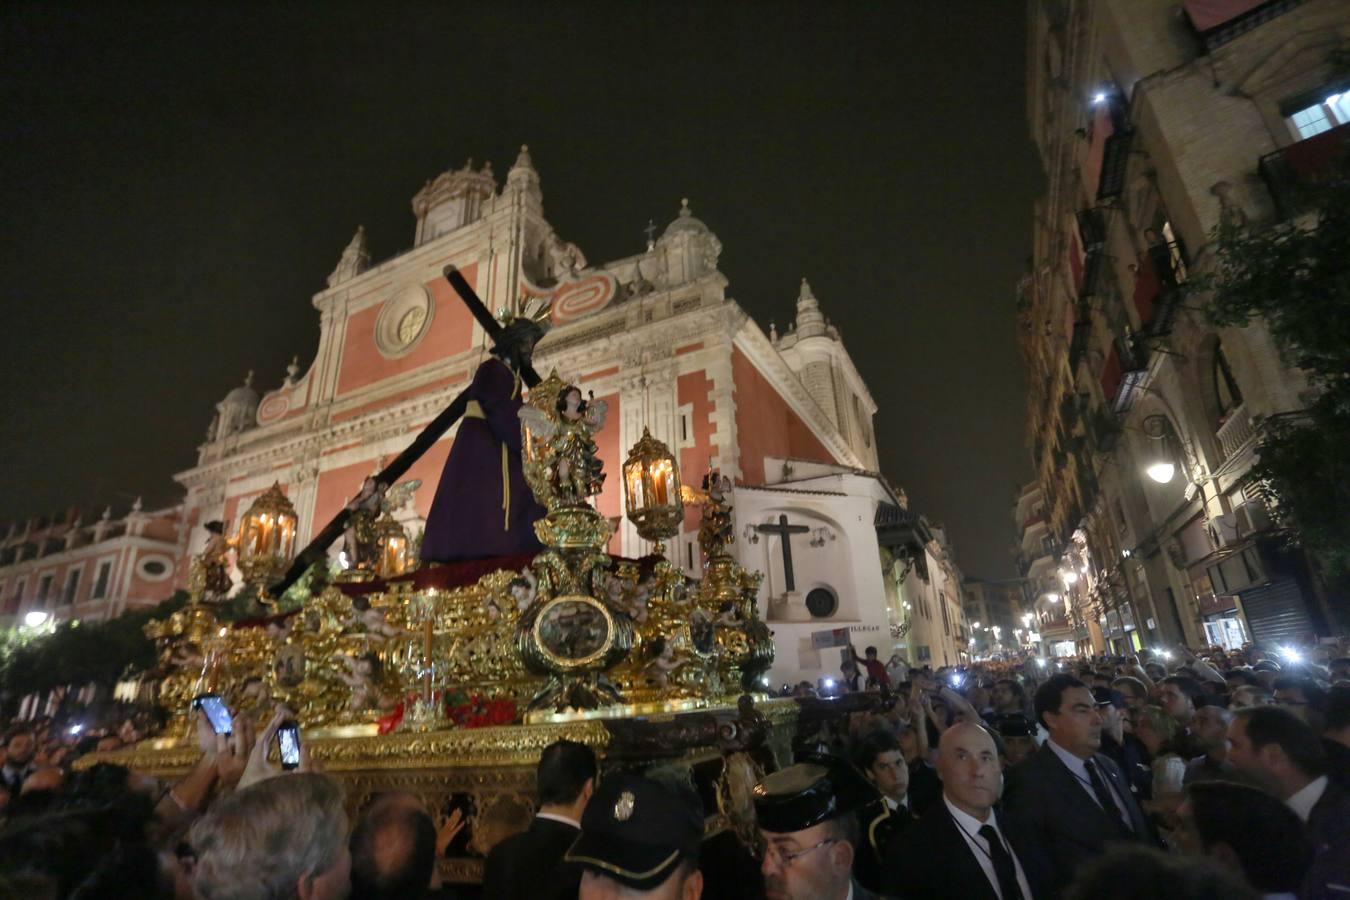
(958, 848)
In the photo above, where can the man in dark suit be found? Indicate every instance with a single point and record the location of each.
(1067, 802)
(530, 865)
(1281, 753)
(958, 848)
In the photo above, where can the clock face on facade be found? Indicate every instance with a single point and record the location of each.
(403, 320)
(410, 324)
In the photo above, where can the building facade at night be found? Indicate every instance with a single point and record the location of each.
(994, 610)
(655, 335)
(60, 568)
(1154, 121)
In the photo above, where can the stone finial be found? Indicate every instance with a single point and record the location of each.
(355, 259)
(810, 321)
(137, 506)
(293, 370)
(773, 331)
(523, 174)
(685, 211)
(107, 514)
(248, 379)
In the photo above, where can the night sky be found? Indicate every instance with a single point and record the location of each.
(178, 182)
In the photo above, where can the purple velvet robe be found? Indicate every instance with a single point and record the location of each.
(467, 520)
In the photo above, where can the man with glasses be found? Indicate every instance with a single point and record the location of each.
(809, 818)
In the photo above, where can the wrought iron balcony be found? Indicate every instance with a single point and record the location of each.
(1094, 264)
(1115, 157)
(1290, 172)
(1236, 431)
(1092, 228)
(1216, 26)
(1082, 329)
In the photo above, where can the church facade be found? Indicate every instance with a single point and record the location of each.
(655, 335)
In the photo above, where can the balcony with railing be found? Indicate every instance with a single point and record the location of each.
(1290, 171)
(1236, 432)
(1216, 22)
(1115, 158)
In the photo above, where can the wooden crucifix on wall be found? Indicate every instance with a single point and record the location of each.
(785, 531)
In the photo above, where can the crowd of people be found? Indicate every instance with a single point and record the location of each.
(1177, 775)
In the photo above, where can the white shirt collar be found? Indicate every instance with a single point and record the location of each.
(1304, 801)
(557, 818)
(1075, 763)
(971, 824)
(893, 805)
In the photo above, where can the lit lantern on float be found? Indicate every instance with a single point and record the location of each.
(651, 477)
(392, 542)
(267, 536)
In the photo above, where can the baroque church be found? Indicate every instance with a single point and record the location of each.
(655, 335)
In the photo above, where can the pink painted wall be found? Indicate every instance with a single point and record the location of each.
(451, 332)
(766, 425)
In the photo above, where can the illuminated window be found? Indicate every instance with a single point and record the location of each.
(1313, 120)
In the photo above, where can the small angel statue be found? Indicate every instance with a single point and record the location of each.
(576, 471)
(359, 674)
(360, 542)
(663, 664)
(523, 588)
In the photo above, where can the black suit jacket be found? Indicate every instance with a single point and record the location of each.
(1329, 831)
(530, 865)
(1054, 822)
(932, 859)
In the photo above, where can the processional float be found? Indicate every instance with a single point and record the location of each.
(448, 680)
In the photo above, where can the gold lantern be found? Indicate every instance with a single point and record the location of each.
(651, 479)
(392, 543)
(267, 536)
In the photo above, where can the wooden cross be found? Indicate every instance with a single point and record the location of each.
(433, 432)
(785, 531)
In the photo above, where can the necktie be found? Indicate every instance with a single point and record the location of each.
(1004, 867)
(1104, 794)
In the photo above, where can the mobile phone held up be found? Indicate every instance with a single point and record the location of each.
(216, 712)
(288, 744)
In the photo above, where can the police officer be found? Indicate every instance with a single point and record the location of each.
(639, 839)
(815, 818)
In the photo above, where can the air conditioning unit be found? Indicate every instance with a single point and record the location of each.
(1224, 530)
(1251, 518)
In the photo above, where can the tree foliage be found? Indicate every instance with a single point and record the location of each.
(80, 653)
(1295, 276)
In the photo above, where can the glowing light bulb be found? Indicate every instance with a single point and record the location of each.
(1161, 472)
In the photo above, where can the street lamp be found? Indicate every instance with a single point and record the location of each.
(1069, 576)
(1161, 472)
(1052, 597)
(35, 618)
(1162, 468)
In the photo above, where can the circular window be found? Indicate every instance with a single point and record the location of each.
(822, 603)
(403, 320)
(154, 568)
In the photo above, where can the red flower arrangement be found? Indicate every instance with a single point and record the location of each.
(477, 711)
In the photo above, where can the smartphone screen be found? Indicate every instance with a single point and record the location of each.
(216, 712)
(288, 743)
